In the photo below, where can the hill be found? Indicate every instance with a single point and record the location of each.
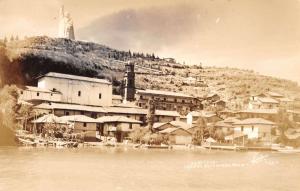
(23, 61)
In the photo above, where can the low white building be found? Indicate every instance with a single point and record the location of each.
(30, 93)
(78, 89)
(255, 129)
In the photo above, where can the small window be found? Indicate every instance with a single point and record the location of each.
(100, 96)
(141, 97)
(84, 124)
(140, 104)
(82, 112)
(175, 100)
(79, 93)
(165, 99)
(21, 92)
(67, 113)
(183, 101)
(51, 94)
(37, 94)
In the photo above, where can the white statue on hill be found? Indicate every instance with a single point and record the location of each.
(66, 28)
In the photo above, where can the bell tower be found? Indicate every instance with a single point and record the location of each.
(129, 83)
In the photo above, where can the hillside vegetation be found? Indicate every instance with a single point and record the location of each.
(23, 61)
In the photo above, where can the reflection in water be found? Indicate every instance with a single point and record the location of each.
(106, 168)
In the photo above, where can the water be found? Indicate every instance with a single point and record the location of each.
(49, 169)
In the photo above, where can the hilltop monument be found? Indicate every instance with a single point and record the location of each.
(66, 28)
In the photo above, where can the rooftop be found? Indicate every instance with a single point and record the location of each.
(121, 119)
(267, 100)
(168, 130)
(75, 107)
(164, 93)
(260, 111)
(202, 114)
(255, 121)
(167, 113)
(126, 110)
(78, 118)
(73, 77)
(274, 94)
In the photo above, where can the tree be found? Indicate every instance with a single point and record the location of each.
(151, 114)
(283, 124)
(8, 110)
(138, 134)
(201, 131)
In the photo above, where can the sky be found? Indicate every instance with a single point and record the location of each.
(261, 35)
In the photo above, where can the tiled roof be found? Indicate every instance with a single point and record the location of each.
(260, 111)
(254, 121)
(202, 114)
(157, 125)
(267, 100)
(167, 113)
(223, 124)
(78, 118)
(75, 107)
(165, 93)
(168, 130)
(73, 77)
(171, 130)
(126, 110)
(50, 118)
(231, 120)
(107, 119)
(179, 124)
(274, 94)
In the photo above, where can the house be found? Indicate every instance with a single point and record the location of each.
(268, 114)
(210, 117)
(190, 80)
(78, 89)
(48, 119)
(257, 129)
(117, 126)
(65, 109)
(166, 100)
(136, 113)
(33, 94)
(274, 95)
(263, 103)
(166, 116)
(83, 124)
(172, 124)
(286, 103)
(177, 136)
(227, 128)
(219, 105)
(294, 115)
(212, 97)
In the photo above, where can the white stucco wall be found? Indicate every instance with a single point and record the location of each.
(89, 91)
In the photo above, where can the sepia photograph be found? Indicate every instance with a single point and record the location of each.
(150, 95)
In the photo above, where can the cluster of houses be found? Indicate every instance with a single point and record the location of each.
(89, 105)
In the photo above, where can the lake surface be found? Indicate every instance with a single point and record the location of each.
(84, 169)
